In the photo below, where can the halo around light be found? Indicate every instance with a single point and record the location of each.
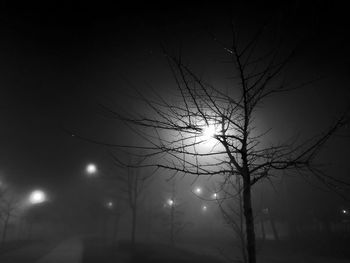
(209, 132)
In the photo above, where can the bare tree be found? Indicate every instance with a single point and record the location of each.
(116, 200)
(133, 183)
(118, 210)
(204, 130)
(8, 209)
(174, 217)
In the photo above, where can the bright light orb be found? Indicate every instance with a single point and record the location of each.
(37, 197)
(198, 190)
(110, 204)
(208, 132)
(344, 211)
(91, 168)
(170, 202)
(204, 208)
(215, 195)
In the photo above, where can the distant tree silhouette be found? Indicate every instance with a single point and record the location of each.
(132, 183)
(8, 208)
(174, 218)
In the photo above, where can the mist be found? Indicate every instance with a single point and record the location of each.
(190, 133)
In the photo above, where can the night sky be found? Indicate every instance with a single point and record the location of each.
(59, 61)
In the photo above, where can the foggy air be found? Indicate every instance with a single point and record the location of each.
(174, 133)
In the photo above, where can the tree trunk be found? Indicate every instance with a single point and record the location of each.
(263, 234)
(104, 228)
(249, 219)
(172, 224)
(133, 226)
(4, 233)
(241, 223)
(115, 230)
(274, 229)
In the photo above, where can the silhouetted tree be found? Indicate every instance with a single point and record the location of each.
(132, 184)
(205, 130)
(174, 218)
(8, 209)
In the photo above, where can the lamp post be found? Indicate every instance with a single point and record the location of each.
(171, 204)
(36, 197)
(92, 171)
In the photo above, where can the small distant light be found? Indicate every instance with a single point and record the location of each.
(198, 190)
(344, 211)
(215, 195)
(204, 208)
(91, 168)
(170, 202)
(110, 204)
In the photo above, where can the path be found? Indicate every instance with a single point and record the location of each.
(29, 253)
(69, 251)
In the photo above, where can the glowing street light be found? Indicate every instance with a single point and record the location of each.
(208, 135)
(37, 197)
(198, 190)
(91, 169)
(170, 202)
(344, 211)
(109, 204)
(204, 208)
(215, 196)
(208, 132)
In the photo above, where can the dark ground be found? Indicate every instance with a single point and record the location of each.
(25, 251)
(100, 250)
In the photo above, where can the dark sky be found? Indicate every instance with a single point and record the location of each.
(58, 61)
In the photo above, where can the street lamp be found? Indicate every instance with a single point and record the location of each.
(170, 202)
(198, 190)
(37, 197)
(208, 132)
(91, 169)
(109, 204)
